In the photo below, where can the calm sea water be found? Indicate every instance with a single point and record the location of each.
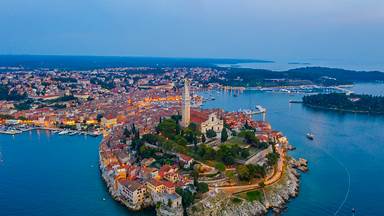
(48, 174)
(346, 159)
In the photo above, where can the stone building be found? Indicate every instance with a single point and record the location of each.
(186, 105)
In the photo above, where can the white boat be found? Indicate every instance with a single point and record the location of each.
(63, 132)
(95, 134)
(72, 133)
(10, 132)
(310, 136)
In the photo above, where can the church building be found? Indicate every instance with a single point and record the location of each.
(205, 119)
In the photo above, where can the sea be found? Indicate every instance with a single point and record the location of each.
(346, 158)
(49, 174)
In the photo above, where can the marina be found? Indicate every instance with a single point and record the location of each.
(16, 130)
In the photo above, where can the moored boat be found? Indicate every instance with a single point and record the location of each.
(310, 136)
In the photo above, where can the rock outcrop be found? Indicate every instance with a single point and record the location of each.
(223, 204)
(275, 198)
(277, 195)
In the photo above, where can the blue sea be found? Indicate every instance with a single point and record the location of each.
(44, 174)
(48, 174)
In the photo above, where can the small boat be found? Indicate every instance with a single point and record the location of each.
(94, 134)
(10, 131)
(310, 136)
(63, 132)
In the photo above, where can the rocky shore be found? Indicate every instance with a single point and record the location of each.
(277, 195)
(275, 198)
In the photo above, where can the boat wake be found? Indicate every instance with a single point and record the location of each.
(341, 205)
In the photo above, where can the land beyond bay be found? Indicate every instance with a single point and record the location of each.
(346, 103)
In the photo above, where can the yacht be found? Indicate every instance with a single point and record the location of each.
(63, 132)
(310, 136)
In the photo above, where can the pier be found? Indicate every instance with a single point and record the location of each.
(259, 110)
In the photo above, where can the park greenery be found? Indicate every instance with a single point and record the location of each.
(170, 137)
(250, 171)
(254, 195)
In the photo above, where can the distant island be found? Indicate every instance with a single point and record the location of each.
(347, 103)
(322, 76)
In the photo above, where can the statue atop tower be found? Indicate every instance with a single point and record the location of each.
(186, 105)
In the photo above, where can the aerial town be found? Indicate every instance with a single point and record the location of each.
(159, 149)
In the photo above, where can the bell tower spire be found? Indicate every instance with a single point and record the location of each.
(186, 105)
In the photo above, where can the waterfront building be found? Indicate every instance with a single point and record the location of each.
(131, 191)
(155, 186)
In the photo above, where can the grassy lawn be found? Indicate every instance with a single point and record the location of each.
(252, 195)
(235, 140)
(236, 200)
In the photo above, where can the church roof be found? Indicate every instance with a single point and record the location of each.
(198, 116)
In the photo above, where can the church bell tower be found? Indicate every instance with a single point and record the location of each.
(186, 105)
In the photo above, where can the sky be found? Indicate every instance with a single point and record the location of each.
(348, 30)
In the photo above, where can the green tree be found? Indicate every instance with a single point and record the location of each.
(127, 133)
(150, 138)
(250, 137)
(181, 140)
(243, 173)
(190, 135)
(226, 155)
(22, 118)
(256, 171)
(187, 197)
(262, 184)
(176, 118)
(244, 153)
(203, 139)
(272, 158)
(167, 128)
(220, 166)
(211, 133)
(193, 127)
(202, 187)
(224, 135)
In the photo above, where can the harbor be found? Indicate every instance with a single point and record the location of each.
(19, 129)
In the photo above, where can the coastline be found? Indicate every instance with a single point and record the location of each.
(342, 110)
(111, 190)
(275, 198)
(148, 202)
(276, 195)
